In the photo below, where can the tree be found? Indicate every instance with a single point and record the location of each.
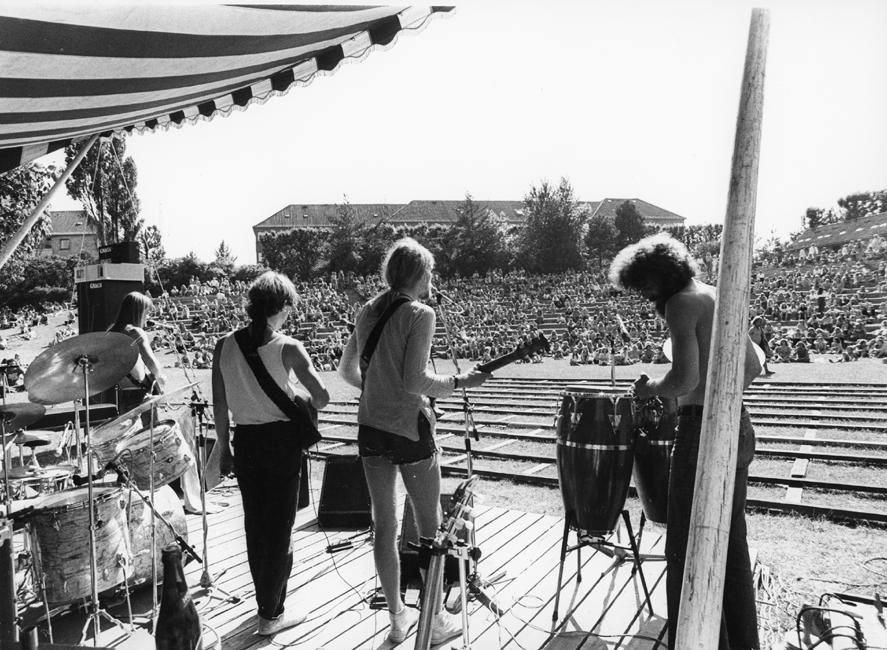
(345, 239)
(601, 238)
(816, 217)
(296, 253)
(225, 259)
(105, 183)
(550, 242)
(629, 224)
(20, 191)
(150, 242)
(375, 241)
(476, 240)
(179, 271)
(862, 204)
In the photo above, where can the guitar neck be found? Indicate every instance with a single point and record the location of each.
(501, 362)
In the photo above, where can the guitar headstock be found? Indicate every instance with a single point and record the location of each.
(538, 343)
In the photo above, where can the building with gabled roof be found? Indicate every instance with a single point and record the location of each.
(435, 213)
(838, 234)
(71, 233)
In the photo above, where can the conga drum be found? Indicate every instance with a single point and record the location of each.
(595, 432)
(656, 420)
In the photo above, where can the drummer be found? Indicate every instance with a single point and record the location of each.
(662, 270)
(146, 378)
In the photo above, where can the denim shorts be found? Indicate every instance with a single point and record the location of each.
(397, 449)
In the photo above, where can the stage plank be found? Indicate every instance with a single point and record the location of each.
(522, 550)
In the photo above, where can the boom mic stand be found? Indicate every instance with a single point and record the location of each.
(475, 583)
(198, 412)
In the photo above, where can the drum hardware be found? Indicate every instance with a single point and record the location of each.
(12, 417)
(207, 581)
(82, 366)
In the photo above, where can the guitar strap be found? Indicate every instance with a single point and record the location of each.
(373, 340)
(299, 412)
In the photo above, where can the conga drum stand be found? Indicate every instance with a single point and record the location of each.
(611, 549)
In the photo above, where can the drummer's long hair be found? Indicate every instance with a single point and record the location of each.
(133, 310)
(266, 296)
(660, 260)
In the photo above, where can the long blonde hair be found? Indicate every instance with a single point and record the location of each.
(133, 310)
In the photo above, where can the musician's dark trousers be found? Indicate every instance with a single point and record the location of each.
(739, 623)
(267, 460)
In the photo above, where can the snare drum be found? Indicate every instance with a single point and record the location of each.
(655, 424)
(595, 435)
(172, 454)
(60, 524)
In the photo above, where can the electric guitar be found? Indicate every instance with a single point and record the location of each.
(445, 539)
(535, 345)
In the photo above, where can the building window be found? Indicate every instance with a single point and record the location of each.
(64, 244)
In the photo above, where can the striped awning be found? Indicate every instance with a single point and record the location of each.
(67, 72)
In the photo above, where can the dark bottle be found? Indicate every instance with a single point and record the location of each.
(178, 625)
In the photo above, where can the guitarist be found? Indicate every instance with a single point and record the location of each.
(395, 418)
(268, 442)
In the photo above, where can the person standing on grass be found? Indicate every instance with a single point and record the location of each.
(396, 420)
(661, 269)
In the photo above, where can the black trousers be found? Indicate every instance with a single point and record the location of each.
(739, 622)
(267, 460)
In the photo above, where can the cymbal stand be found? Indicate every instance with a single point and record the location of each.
(155, 606)
(476, 584)
(207, 581)
(78, 451)
(96, 613)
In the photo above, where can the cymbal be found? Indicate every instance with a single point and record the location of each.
(145, 406)
(19, 473)
(56, 375)
(21, 414)
(30, 439)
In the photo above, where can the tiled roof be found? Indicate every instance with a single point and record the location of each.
(837, 234)
(70, 222)
(421, 211)
(648, 211)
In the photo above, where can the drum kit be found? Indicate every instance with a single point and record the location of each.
(83, 537)
(603, 438)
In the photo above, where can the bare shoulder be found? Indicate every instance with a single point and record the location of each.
(688, 305)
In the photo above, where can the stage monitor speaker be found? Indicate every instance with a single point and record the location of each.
(100, 290)
(344, 496)
(410, 560)
(123, 252)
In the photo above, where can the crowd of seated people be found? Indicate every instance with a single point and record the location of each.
(833, 308)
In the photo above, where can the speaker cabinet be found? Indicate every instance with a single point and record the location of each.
(344, 496)
(411, 558)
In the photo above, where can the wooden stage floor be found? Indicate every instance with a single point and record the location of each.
(604, 610)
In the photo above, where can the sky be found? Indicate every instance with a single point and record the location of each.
(631, 99)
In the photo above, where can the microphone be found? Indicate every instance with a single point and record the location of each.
(440, 295)
(626, 338)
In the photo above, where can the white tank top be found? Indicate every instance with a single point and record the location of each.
(247, 401)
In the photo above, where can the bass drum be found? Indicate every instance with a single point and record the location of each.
(655, 426)
(595, 432)
(60, 524)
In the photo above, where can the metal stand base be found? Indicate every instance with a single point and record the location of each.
(610, 549)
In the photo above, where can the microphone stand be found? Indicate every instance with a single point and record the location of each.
(198, 413)
(474, 582)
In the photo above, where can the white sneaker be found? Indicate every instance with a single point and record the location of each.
(289, 618)
(401, 624)
(445, 626)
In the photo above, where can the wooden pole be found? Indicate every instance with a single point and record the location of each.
(21, 233)
(703, 583)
